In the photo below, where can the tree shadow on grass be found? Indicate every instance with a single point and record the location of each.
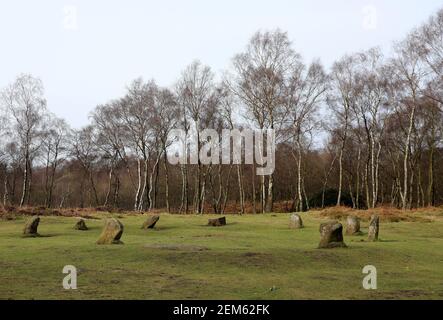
(162, 228)
(218, 227)
(367, 241)
(89, 229)
(49, 235)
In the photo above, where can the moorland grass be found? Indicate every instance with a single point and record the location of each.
(253, 257)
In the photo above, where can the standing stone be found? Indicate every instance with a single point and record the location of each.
(31, 226)
(295, 221)
(353, 226)
(81, 225)
(331, 235)
(150, 222)
(373, 228)
(217, 222)
(111, 233)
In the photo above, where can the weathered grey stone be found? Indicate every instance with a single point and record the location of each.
(150, 222)
(111, 233)
(31, 226)
(353, 226)
(331, 235)
(373, 228)
(81, 225)
(295, 221)
(217, 222)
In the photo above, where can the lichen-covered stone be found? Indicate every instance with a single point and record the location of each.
(331, 235)
(31, 226)
(353, 226)
(150, 222)
(81, 225)
(219, 222)
(111, 233)
(374, 228)
(295, 221)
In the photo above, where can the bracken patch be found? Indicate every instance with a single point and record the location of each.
(386, 214)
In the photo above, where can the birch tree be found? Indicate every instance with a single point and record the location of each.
(258, 80)
(341, 100)
(55, 139)
(195, 90)
(407, 74)
(306, 87)
(24, 100)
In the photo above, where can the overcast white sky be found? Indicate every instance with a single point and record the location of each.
(87, 51)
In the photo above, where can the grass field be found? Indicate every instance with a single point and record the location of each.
(253, 257)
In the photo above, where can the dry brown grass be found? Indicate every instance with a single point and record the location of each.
(10, 213)
(386, 214)
(233, 207)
